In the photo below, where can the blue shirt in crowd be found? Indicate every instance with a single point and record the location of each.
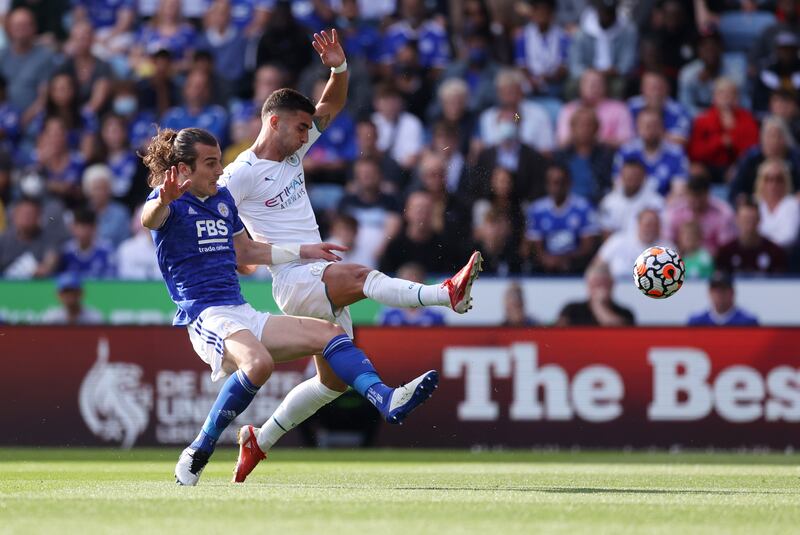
(96, 263)
(431, 39)
(666, 166)
(561, 228)
(736, 317)
(677, 120)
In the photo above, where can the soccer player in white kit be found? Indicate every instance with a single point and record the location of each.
(267, 183)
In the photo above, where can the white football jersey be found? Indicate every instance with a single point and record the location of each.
(271, 196)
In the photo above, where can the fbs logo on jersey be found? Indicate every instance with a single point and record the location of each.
(113, 401)
(222, 208)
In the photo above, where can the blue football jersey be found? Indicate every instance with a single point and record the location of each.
(195, 252)
(561, 228)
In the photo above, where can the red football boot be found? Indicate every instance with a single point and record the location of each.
(460, 285)
(250, 454)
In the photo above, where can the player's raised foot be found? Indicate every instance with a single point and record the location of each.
(190, 466)
(250, 454)
(408, 397)
(460, 285)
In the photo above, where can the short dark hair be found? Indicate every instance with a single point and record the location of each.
(287, 99)
(698, 184)
(84, 216)
(746, 201)
(631, 159)
(561, 167)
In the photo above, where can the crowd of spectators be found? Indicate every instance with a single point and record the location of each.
(553, 136)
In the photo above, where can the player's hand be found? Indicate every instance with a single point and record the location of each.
(322, 251)
(329, 48)
(171, 189)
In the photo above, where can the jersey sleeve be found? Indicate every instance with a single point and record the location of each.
(313, 136)
(238, 178)
(238, 226)
(154, 195)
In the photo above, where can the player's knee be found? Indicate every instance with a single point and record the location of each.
(259, 367)
(327, 331)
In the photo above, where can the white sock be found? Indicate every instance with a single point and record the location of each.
(301, 402)
(402, 293)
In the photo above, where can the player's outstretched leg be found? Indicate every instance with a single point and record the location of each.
(288, 337)
(253, 365)
(455, 292)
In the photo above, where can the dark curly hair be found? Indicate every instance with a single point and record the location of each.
(168, 148)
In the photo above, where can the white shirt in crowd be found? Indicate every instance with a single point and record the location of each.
(401, 140)
(535, 127)
(619, 213)
(621, 250)
(136, 258)
(781, 225)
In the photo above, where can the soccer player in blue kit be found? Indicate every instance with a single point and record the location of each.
(198, 237)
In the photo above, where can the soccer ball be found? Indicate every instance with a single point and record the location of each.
(658, 272)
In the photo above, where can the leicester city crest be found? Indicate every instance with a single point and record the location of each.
(222, 208)
(293, 160)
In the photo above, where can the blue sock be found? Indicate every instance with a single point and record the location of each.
(233, 399)
(354, 368)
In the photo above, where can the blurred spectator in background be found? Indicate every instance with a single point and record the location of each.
(394, 177)
(530, 119)
(671, 30)
(72, 310)
(514, 308)
(9, 121)
(631, 194)
(226, 43)
(697, 260)
(329, 157)
(451, 215)
(476, 70)
(418, 242)
(561, 228)
(159, 91)
(723, 133)
(93, 75)
(606, 43)
(113, 24)
(59, 167)
(360, 38)
(444, 141)
(377, 213)
(344, 231)
(27, 250)
(783, 104)
(427, 34)
(121, 160)
(451, 108)
(665, 163)
(775, 142)
(779, 209)
(782, 73)
(589, 161)
(87, 254)
(715, 216)
(400, 134)
(501, 197)
(762, 50)
(284, 42)
(655, 96)
(25, 65)
(167, 30)
(493, 238)
(695, 85)
(197, 109)
(521, 160)
(750, 253)
(600, 309)
(267, 78)
(723, 311)
(616, 123)
(136, 256)
(411, 317)
(541, 49)
(113, 219)
(411, 81)
(61, 101)
(620, 251)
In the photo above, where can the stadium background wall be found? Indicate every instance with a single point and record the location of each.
(661, 387)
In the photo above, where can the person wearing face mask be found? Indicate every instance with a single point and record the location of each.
(139, 121)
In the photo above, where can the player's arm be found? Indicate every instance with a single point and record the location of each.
(335, 94)
(156, 211)
(250, 252)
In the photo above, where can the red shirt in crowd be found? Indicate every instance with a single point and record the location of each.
(706, 145)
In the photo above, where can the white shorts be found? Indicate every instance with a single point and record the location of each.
(299, 291)
(209, 331)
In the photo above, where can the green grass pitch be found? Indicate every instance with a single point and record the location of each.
(85, 491)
